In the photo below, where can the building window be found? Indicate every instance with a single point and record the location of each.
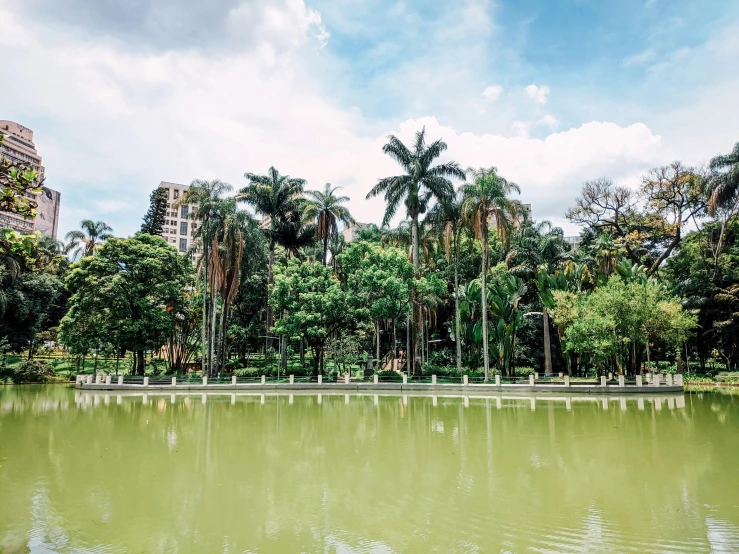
(176, 194)
(183, 227)
(183, 212)
(183, 245)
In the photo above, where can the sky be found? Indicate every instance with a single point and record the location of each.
(123, 94)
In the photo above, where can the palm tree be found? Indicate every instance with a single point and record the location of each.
(83, 243)
(446, 220)
(724, 187)
(416, 188)
(326, 210)
(538, 246)
(273, 196)
(293, 235)
(486, 196)
(209, 210)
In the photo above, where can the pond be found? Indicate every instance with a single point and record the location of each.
(100, 472)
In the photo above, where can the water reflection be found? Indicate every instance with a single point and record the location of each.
(223, 472)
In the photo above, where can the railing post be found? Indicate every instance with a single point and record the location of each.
(621, 381)
(98, 379)
(292, 379)
(465, 380)
(638, 381)
(120, 379)
(536, 375)
(346, 378)
(497, 380)
(205, 380)
(657, 379)
(560, 374)
(433, 379)
(532, 379)
(88, 379)
(669, 379)
(679, 379)
(107, 379)
(174, 381)
(405, 379)
(233, 380)
(264, 379)
(320, 379)
(610, 376)
(603, 381)
(567, 380)
(377, 379)
(146, 381)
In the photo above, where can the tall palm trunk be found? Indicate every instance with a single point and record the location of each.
(484, 301)
(212, 338)
(325, 248)
(457, 317)
(270, 282)
(204, 330)
(416, 319)
(547, 345)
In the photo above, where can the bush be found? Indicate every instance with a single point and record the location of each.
(32, 371)
(389, 376)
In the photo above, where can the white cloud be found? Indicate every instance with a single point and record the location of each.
(549, 121)
(492, 93)
(111, 124)
(537, 93)
(521, 128)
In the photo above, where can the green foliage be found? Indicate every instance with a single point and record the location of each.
(32, 371)
(129, 295)
(312, 305)
(17, 182)
(618, 320)
(155, 215)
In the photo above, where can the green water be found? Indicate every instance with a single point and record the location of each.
(90, 472)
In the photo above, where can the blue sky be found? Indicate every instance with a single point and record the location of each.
(122, 95)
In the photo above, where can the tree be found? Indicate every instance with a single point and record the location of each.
(723, 186)
(421, 183)
(154, 218)
(84, 243)
(486, 196)
(128, 294)
(446, 218)
(325, 210)
(538, 246)
(18, 185)
(312, 306)
(210, 210)
(647, 225)
(379, 281)
(274, 196)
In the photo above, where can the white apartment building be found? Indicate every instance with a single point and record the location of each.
(179, 226)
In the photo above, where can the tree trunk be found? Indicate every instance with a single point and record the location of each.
(547, 345)
(270, 282)
(140, 362)
(649, 362)
(484, 301)
(377, 342)
(212, 337)
(204, 330)
(457, 317)
(415, 319)
(325, 249)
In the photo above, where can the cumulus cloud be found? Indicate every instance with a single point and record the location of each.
(492, 93)
(549, 121)
(538, 94)
(111, 124)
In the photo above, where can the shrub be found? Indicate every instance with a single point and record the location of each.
(33, 371)
(389, 376)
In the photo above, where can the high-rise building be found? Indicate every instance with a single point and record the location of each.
(18, 147)
(179, 226)
(351, 231)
